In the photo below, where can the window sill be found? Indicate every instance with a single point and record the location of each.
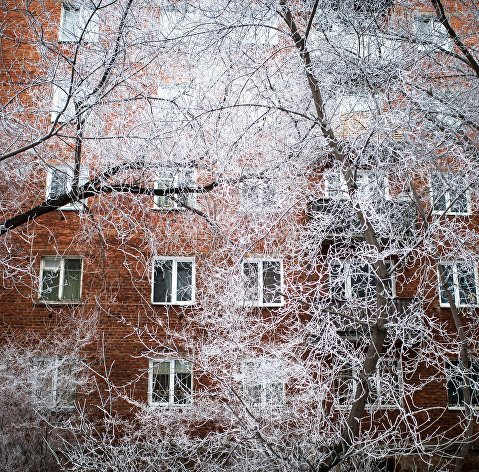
(442, 305)
(173, 303)
(41, 301)
(451, 213)
(168, 406)
(460, 408)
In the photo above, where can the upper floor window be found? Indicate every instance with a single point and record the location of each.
(177, 179)
(60, 278)
(455, 374)
(173, 281)
(64, 98)
(431, 33)
(263, 280)
(385, 385)
(353, 114)
(460, 282)
(367, 185)
(257, 192)
(170, 382)
(78, 21)
(263, 383)
(54, 383)
(449, 194)
(60, 181)
(356, 280)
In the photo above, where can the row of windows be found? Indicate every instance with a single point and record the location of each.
(448, 192)
(173, 281)
(79, 21)
(170, 383)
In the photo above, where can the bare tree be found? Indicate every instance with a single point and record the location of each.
(313, 166)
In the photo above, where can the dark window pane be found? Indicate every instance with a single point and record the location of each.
(60, 183)
(271, 282)
(165, 181)
(50, 284)
(182, 386)
(459, 203)
(251, 283)
(161, 382)
(363, 281)
(337, 283)
(184, 272)
(467, 285)
(162, 281)
(71, 279)
(438, 193)
(448, 285)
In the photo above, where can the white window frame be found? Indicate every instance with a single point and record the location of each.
(61, 269)
(455, 363)
(260, 288)
(80, 17)
(171, 389)
(449, 197)
(365, 181)
(49, 399)
(174, 280)
(345, 268)
(179, 179)
(456, 293)
(267, 385)
(376, 381)
(68, 171)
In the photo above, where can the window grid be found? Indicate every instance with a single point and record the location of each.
(461, 280)
(54, 384)
(170, 382)
(57, 293)
(385, 385)
(175, 291)
(448, 200)
(173, 179)
(455, 381)
(60, 181)
(78, 22)
(257, 291)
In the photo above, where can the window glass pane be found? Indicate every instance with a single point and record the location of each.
(165, 181)
(467, 285)
(50, 279)
(161, 382)
(337, 283)
(182, 393)
(44, 373)
(162, 281)
(60, 182)
(363, 281)
(438, 193)
(459, 203)
(186, 179)
(475, 382)
(71, 279)
(65, 385)
(271, 282)
(454, 383)
(184, 273)
(273, 394)
(251, 281)
(449, 283)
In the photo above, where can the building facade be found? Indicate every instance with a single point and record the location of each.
(240, 235)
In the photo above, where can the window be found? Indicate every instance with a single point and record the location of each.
(460, 281)
(263, 280)
(78, 21)
(263, 383)
(175, 179)
(455, 372)
(385, 387)
(59, 182)
(369, 185)
(60, 279)
(431, 34)
(353, 115)
(173, 281)
(170, 382)
(355, 280)
(174, 16)
(64, 100)
(257, 193)
(450, 194)
(54, 382)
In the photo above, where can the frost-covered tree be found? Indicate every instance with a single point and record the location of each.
(296, 182)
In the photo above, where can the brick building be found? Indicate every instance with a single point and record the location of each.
(259, 254)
